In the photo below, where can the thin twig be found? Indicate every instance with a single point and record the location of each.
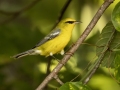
(62, 12)
(58, 80)
(83, 71)
(17, 13)
(92, 45)
(48, 71)
(89, 28)
(21, 10)
(48, 65)
(9, 19)
(30, 5)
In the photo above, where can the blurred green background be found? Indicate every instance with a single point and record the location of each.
(21, 31)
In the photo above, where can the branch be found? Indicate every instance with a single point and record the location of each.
(17, 13)
(22, 10)
(58, 80)
(48, 65)
(62, 12)
(89, 28)
(9, 19)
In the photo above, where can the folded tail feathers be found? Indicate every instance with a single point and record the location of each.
(29, 52)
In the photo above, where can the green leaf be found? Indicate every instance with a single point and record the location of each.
(116, 17)
(74, 86)
(117, 67)
(112, 44)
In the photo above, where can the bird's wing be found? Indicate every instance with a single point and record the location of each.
(50, 36)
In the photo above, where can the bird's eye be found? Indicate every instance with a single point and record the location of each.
(70, 22)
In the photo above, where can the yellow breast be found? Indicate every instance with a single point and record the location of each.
(55, 45)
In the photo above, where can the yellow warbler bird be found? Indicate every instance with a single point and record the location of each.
(55, 41)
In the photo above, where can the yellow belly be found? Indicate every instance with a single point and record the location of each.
(53, 46)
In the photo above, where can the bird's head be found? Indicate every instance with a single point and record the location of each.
(68, 23)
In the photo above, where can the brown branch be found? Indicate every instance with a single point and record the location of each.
(9, 19)
(17, 13)
(58, 80)
(30, 5)
(22, 10)
(89, 28)
(48, 71)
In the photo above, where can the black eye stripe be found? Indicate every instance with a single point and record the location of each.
(70, 22)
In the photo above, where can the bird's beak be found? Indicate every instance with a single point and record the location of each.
(77, 22)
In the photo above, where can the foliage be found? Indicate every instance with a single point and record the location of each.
(112, 44)
(24, 22)
(116, 17)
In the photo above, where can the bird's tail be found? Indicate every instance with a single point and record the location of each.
(29, 52)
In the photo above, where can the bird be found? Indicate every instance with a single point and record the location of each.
(54, 42)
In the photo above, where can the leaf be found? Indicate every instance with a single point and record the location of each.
(116, 17)
(112, 44)
(74, 86)
(117, 67)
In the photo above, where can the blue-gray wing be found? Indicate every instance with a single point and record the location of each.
(50, 36)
